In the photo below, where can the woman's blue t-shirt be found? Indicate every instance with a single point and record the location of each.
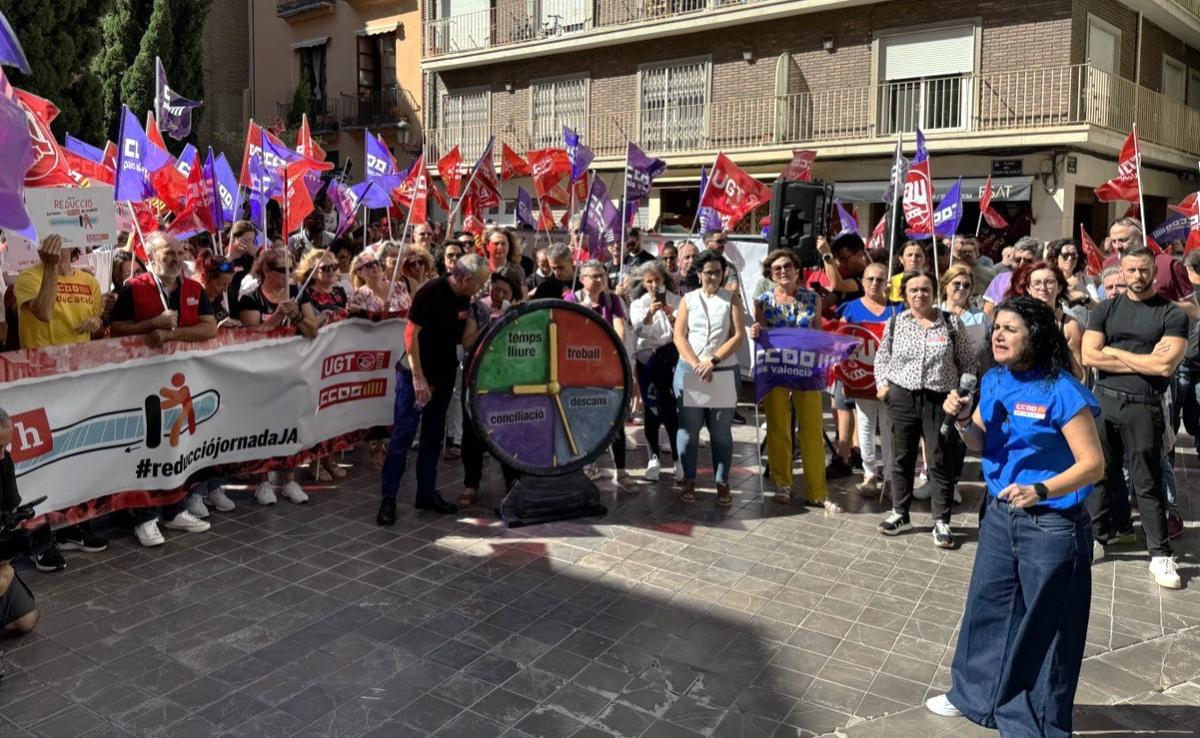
(856, 312)
(1023, 417)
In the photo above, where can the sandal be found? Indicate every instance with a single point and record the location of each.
(724, 496)
(783, 498)
(468, 499)
(334, 470)
(688, 492)
(832, 508)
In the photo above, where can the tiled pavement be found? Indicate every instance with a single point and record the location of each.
(657, 620)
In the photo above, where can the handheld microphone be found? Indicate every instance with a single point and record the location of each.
(966, 386)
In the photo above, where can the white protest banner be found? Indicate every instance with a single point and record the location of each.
(151, 422)
(84, 217)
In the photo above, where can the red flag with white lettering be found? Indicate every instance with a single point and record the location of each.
(878, 239)
(990, 215)
(305, 143)
(511, 164)
(49, 167)
(732, 192)
(1125, 185)
(918, 200)
(800, 167)
(450, 169)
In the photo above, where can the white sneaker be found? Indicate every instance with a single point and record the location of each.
(195, 505)
(148, 534)
(187, 523)
(941, 705)
(218, 499)
(1165, 574)
(1097, 551)
(265, 494)
(921, 492)
(653, 469)
(292, 491)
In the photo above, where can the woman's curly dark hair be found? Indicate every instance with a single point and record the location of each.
(1047, 352)
(706, 256)
(1020, 278)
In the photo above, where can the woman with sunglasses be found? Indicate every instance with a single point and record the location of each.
(416, 268)
(1082, 294)
(271, 304)
(958, 287)
(321, 301)
(870, 415)
(370, 283)
(216, 275)
(1043, 281)
(789, 304)
(447, 256)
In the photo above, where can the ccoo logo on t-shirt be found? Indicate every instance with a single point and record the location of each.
(1030, 410)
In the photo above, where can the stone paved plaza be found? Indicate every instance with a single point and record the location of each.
(659, 619)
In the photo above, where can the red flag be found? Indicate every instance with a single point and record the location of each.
(581, 187)
(450, 170)
(86, 170)
(200, 195)
(1153, 245)
(990, 215)
(147, 221)
(472, 215)
(549, 167)
(297, 202)
(484, 185)
(1095, 262)
(413, 193)
(732, 192)
(305, 143)
(1191, 209)
(1125, 185)
(918, 200)
(49, 167)
(511, 164)
(878, 239)
(800, 168)
(545, 218)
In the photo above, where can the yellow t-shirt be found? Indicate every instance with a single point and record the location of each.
(78, 299)
(896, 296)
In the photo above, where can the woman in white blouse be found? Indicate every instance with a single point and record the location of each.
(653, 318)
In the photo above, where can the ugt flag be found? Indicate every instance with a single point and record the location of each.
(709, 219)
(798, 358)
(174, 112)
(731, 192)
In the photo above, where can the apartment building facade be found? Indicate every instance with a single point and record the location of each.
(361, 61)
(1039, 95)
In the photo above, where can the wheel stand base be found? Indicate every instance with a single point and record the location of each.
(533, 500)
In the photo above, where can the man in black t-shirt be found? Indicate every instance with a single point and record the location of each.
(1135, 342)
(425, 386)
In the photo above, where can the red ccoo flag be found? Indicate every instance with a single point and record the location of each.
(800, 167)
(305, 143)
(878, 239)
(731, 192)
(450, 169)
(990, 215)
(511, 164)
(1125, 185)
(1095, 262)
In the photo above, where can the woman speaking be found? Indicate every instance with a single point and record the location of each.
(1017, 662)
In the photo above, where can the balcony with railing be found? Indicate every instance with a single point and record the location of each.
(324, 116)
(376, 109)
(295, 8)
(509, 23)
(1025, 101)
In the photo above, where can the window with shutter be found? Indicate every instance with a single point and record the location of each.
(927, 79)
(466, 121)
(557, 103)
(674, 102)
(1174, 79)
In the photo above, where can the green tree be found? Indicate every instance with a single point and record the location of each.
(302, 101)
(137, 86)
(60, 38)
(121, 31)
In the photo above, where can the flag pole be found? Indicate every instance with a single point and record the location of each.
(585, 246)
(137, 227)
(399, 254)
(624, 194)
(284, 211)
(897, 194)
(466, 188)
(1141, 197)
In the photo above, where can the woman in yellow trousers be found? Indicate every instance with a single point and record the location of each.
(789, 304)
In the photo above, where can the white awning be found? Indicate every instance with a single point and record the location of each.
(378, 27)
(309, 43)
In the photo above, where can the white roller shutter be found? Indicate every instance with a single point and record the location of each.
(936, 53)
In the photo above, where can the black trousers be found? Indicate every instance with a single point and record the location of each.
(918, 414)
(1132, 428)
(659, 372)
(472, 459)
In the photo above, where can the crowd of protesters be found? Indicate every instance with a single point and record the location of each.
(1118, 353)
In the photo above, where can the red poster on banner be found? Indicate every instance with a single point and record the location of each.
(857, 374)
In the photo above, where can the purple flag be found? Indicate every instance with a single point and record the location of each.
(11, 52)
(183, 164)
(216, 206)
(84, 149)
(344, 202)
(16, 151)
(274, 158)
(580, 156)
(174, 112)
(227, 188)
(847, 221)
(525, 208)
(136, 159)
(1175, 228)
(798, 358)
(601, 220)
(710, 220)
(372, 194)
(949, 211)
(640, 171)
(380, 166)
